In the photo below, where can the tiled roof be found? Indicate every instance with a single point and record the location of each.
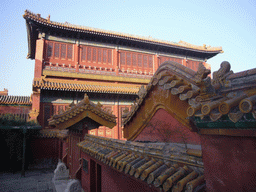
(164, 165)
(173, 77)
(15, 100)
(227, 95)
(84, 108)
(232, 94)
(82, 29)
(82, 86)
(48, 133)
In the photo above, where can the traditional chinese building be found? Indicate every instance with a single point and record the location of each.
(110, 67)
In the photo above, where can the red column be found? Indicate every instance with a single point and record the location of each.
(34, 113)
(76, 57)
(156, 63)
(104, 131)
(116, 128)
(39, 58)
(116, 60)
(184, 62)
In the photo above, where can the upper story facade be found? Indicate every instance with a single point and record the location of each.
(71, 51)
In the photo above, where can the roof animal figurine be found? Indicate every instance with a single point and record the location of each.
(219, 77)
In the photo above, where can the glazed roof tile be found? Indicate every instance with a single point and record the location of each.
(82, 86)
(164, 165)
(15, 100)
(171, 76)
(83, 29)
(233, 94)
(84, 108)
(227, 94)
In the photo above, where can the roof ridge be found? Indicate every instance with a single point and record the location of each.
(37, 17)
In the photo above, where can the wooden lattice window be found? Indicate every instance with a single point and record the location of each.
(150, 61)
(99, 55)
(122, 58)
(94, 55)
(70, 51)
(49, 49)
(89, 52)
(109, 56)
(83, 55)
(133, 59)
(57, 50)
(104, 55)
(63, 51)
(128, 59)
(145, 61)
(139, 60)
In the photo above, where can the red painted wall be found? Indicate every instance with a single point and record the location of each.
(113, 180)
(85, 181)
(15, 109)
(229, 163)
(64, 148)
(75, 155)
(165, 128)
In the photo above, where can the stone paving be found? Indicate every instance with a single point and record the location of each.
(35, 180)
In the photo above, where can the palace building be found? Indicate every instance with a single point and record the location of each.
(109, 67)
(93, 89)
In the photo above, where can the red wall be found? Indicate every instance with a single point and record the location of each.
(113, 180)
(15, 109)
(85, 181)
(165, 128)
(75, 155)
(229, 163)
(64, 148)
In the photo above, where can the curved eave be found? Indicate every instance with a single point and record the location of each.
(159, 95)
(36, 26)
(80, 86)
(79, 117)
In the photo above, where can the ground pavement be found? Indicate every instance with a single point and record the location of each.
(36, 181)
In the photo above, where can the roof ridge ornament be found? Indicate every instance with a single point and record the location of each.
(220, 76)
(72, 104)
(86, 99)
(99, 105)
(201, 73)
(142, 92)
(48, 18)
(203, 81)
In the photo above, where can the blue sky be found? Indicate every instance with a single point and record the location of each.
(230, 24)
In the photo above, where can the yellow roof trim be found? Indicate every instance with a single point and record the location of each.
(85, 86)
(84, 108)
(96, 77)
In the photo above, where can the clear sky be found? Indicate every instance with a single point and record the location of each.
(227, 23)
